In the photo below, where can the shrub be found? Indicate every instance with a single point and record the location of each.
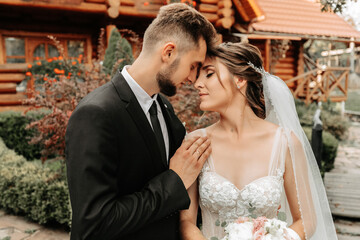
(118, 54)
(332, 120)
(329, 149)
(186, 106)
(32, 189)
(60, 94)
(16, 136)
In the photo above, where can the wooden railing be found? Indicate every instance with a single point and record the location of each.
(320, 84)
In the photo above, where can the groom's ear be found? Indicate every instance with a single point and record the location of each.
(168, 52)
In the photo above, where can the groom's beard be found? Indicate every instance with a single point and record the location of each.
(163, 78)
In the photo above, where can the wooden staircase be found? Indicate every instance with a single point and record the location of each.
(320, 84)
(10, 76)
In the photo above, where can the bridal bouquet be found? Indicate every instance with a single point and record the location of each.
(260, 228)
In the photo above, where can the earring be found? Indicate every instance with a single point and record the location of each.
(238, 86)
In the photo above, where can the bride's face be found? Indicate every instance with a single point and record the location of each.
(216, 85)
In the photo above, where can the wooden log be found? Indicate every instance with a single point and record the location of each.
(11, 99)
(95, 1)
(224, 4)
(109, 29)
(225, 12)
(212, 17)
(127, 3)
(284, 65)
(83, 7)
(225, 22)
(113, 12)
(241, 10)
(13, 67)
(8, 88)
(208, 8)
(113, 3)
(2, 50)
(214, 2)
(284, 71)
(12, 77)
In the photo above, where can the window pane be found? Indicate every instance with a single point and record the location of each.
(15, 60)
(52, 50)
(75, 48)
(15, 46)
(40, 51)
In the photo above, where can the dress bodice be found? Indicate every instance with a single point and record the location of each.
(222, 202)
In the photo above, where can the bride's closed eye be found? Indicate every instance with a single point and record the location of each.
(208, 75)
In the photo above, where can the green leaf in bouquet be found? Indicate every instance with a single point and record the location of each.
(224, 224)
(217, 222)
(251, 209)
(214, 238)
(253, 216)
(282, 216)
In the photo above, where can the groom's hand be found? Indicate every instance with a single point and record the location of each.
(190, 158)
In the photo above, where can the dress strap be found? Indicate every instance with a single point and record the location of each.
(209, 162)
(278, 153)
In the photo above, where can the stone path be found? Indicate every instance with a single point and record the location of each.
(17, 228)
(348, 161)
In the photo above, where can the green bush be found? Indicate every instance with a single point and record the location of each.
(15, 135)
(118, 54)
(31, 189)
(332, 120)
(329, 149)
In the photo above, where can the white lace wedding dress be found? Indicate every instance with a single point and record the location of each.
(222, 202)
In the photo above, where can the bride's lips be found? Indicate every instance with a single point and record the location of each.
(203, 94)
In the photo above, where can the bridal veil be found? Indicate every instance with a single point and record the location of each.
(312, 199)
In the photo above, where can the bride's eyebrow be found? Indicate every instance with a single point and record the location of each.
(206, 67)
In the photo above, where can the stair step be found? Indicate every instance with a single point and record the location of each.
(11, 77)
(11, 99)
(7, 87)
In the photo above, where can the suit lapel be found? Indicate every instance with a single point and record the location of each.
(137, 114)
(175, 128)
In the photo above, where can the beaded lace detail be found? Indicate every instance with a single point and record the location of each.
(222, 202)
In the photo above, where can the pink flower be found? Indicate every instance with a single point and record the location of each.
(258, 235)
(259, 224)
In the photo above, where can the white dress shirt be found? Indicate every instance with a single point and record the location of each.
(145, 102)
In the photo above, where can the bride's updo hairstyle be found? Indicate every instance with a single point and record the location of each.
(236, 56)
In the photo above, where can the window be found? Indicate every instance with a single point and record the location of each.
(15, 50)
(75, 48)
(45, 51)
(27, 48)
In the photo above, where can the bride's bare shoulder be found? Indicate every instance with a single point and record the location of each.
(268, 127)
(201, 131)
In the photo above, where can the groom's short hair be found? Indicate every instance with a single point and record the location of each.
(182, 24)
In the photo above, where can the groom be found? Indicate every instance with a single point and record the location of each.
(128, 167)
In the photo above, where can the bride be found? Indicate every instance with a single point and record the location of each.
(261, 162)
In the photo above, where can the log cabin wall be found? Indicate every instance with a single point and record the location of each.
(285, 68)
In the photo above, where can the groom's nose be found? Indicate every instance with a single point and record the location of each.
(192, 76)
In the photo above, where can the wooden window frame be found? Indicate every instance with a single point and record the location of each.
(63, 38)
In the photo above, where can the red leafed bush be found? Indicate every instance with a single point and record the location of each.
(186, 105)
(59, 95)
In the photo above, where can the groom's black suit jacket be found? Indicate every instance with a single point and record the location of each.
(119, 186)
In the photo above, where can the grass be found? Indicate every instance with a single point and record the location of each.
(353, 101)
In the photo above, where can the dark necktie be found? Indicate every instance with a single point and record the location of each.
(157, 130)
